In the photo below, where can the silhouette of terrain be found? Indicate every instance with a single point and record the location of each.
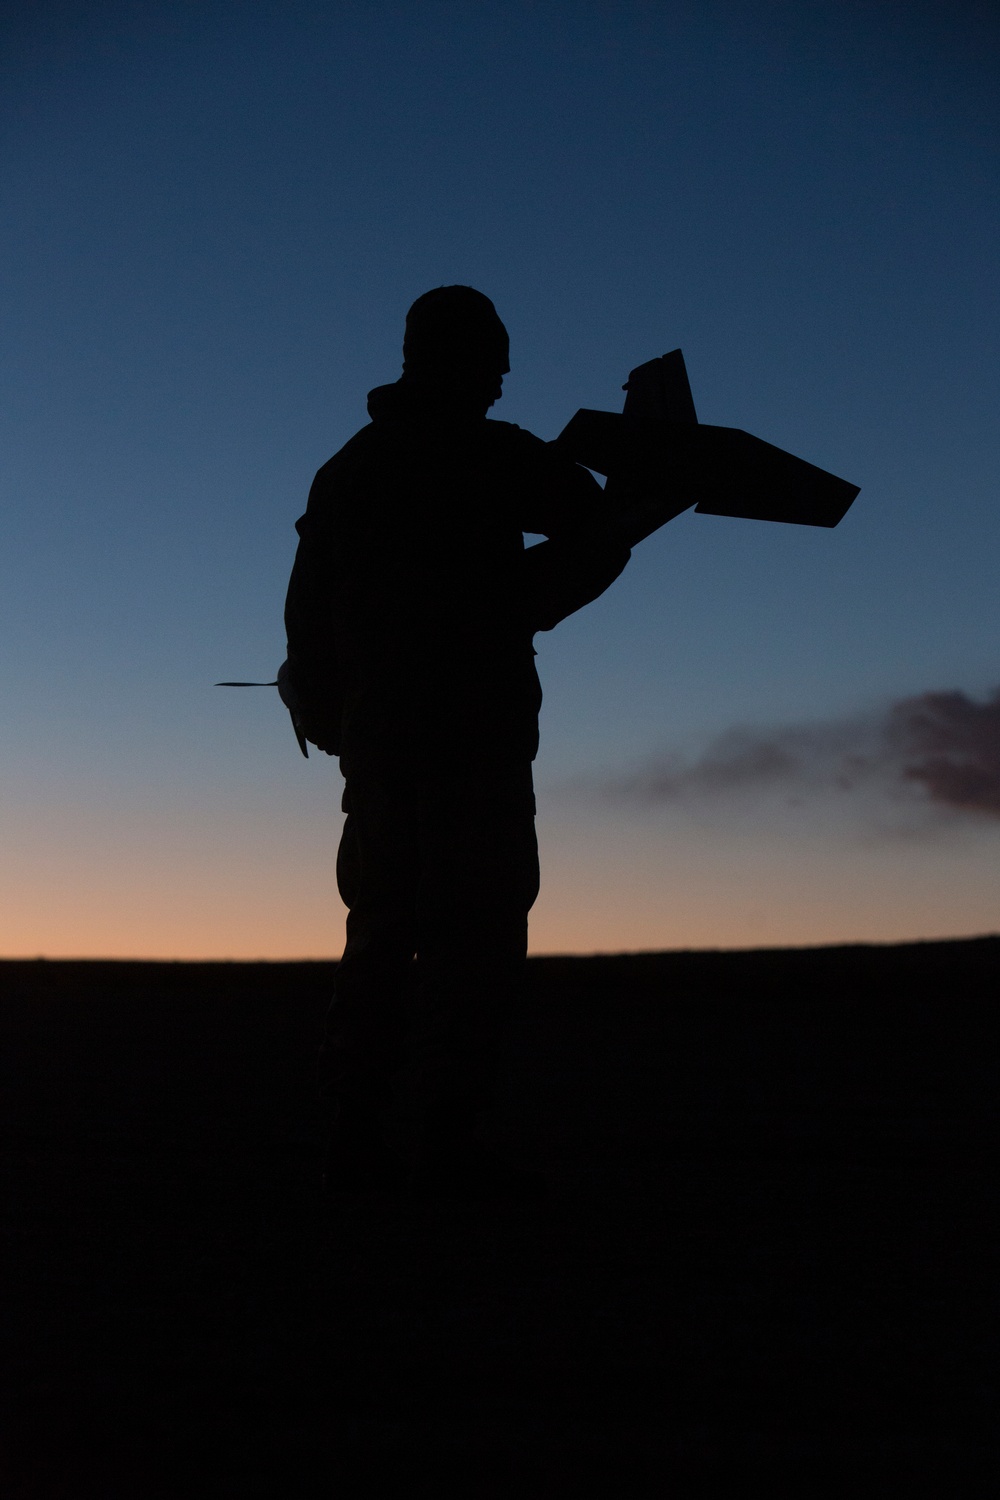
(768, 1249)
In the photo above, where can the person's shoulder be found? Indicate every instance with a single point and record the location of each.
(354, 449)
(548, 460)
(508, 438)
(334, 483)
(509, 432)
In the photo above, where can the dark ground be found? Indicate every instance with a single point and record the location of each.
(769, 1253)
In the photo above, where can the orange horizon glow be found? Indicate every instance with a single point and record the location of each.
(273, 936)
(223, 886)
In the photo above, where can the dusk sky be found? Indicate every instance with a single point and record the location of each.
(215, 217)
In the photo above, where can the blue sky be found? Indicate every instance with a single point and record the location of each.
(216, 216)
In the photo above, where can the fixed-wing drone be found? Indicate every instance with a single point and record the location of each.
(656, 445)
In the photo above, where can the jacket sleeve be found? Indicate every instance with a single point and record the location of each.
(586, 547)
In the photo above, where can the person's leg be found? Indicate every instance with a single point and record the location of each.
(368, 1023)
(478, 881)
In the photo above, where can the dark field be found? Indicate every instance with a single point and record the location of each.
(769, 1251)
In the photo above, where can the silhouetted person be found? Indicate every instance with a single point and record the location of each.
(410, 616)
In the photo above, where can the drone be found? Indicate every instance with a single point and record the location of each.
(656, 446)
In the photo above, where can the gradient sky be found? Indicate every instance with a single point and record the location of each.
(215, 217)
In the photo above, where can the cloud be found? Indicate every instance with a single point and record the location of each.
(957, 744)
(938, 750)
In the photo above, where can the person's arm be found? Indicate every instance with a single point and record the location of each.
(310, 680)
(637, 514)
(587, 544)
(566, 572)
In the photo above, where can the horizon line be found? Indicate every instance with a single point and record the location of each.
(43, 958)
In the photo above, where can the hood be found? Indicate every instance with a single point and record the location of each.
(407, 400)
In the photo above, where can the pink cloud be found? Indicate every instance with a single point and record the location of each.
(957, 741)
(944, 743)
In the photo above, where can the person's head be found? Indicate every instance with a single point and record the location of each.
(455, 341)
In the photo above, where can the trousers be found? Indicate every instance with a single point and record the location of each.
(438, 870)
